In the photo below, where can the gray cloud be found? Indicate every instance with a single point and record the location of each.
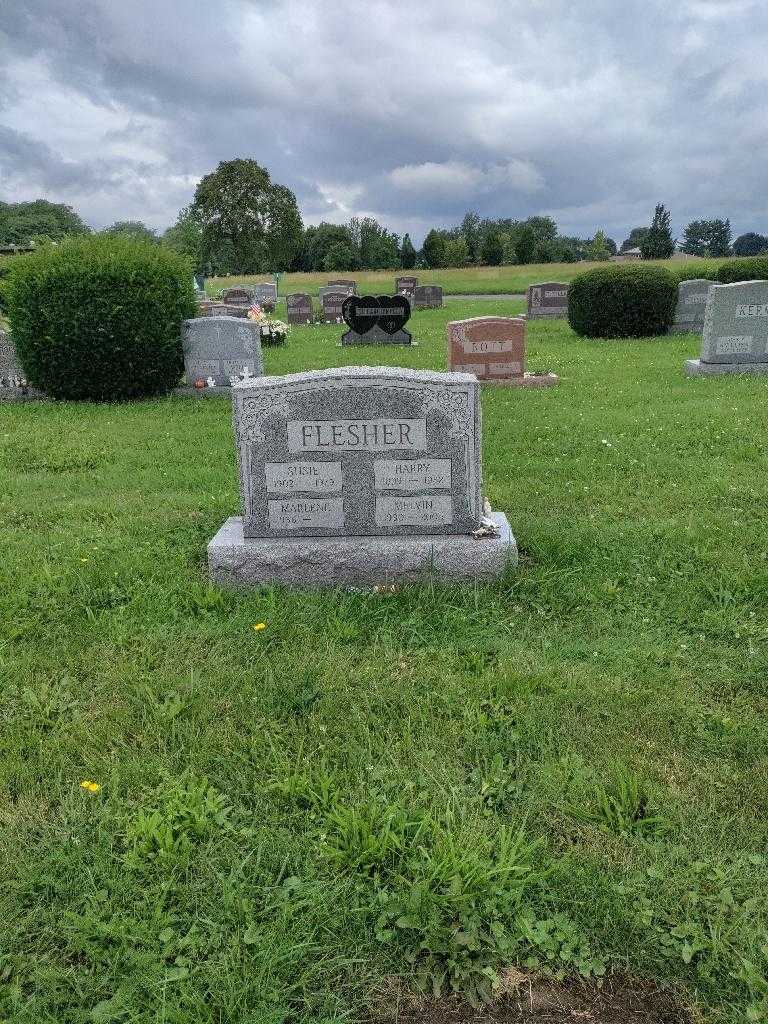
(592, 112)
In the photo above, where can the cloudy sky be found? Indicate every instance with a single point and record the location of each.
(414, 112)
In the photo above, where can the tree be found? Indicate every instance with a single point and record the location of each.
(338, 257)
(319, 240)
(708, 238)
(750, 244)
(240, 207)
(457, 252)
(186, 238)
(544, 228)
(508, 254)
(492, 251)
(407, 253)
(525, 244)
(377, 247)
(597, 250)
(433, 249)
(23, 223)
(635, 240)
(134, 229)
(658, 244)
(469, 229)
(611, 246)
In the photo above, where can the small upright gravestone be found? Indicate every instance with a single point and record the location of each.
(406, 285)
(218, 350)
(493, 348)
(691, 301)
(238, 295)
(344, 284)
(376, 320)
(299, 308)
(266, 293)
(359, 476)
(13, 383)
(735, 336)
(428, 296)
(547, 301)
(332, 305)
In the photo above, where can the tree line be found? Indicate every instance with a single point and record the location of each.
(241, 222)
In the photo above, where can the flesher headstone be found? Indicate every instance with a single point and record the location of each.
(239, 295)
(547, 301)
(735, 335)
(428, 296)
(218, 350)
(359, 476)
(345, 284)
(376, 320)
(493, 348)
(299, 308)
(691, 302)
(332, 305)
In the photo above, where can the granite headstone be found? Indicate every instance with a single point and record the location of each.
(428, 296)
(547, 300)
(333, 302)
(218, 350)
(299, 308)
(493, 348)
(359, 475)
(345, 284)
(376, 320)
(239, 295)
(691, 302)
(266, 293)
(13, 383)
(735, 335)
(406, 285)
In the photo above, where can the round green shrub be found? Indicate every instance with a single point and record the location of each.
(753, 268)
(698, 271)
(622, 302)
(100, 317)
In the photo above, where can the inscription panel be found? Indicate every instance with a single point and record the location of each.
(411, 474)
(435, 510)
(547, 300)
(297, 477)
(359, 451)
(734, 343)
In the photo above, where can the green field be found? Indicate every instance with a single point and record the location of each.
(565, 771)
(454, 280)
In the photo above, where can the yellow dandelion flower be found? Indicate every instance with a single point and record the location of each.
(85, 784)
(93, 787)
(258, 626)
(83, 559)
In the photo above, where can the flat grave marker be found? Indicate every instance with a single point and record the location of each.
(345, 284)
(359, 475)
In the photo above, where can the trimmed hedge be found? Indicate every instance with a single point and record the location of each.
(622, 302)
(695, 271)
(751, 268)
(100, 317)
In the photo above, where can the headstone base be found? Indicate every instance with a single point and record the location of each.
(311, 562)
(22, 394)
(218, 390)
(377, 337)
(528, 380)
(697, 368)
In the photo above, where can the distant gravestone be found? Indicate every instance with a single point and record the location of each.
(406, 285)
(218, 350)
(547, 301)
(332, 305)
(428, 296)
(359, 475)
(13, 383)
(493, 348)
(266, 293)
(345, 284)
(299, 308)
(376, 320)
(691, 301)
(735, 335)
(238, 295)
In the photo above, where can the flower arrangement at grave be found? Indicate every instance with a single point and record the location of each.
(273, 331)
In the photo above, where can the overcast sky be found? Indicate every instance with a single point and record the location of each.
(414, 112)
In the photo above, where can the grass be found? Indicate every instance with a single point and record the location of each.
(567, 769)
(454, 280)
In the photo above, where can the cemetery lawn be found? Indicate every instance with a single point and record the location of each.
(567, 769)
(454, 280)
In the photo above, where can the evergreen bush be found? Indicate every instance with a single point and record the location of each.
(622, 302)
(753, 268)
